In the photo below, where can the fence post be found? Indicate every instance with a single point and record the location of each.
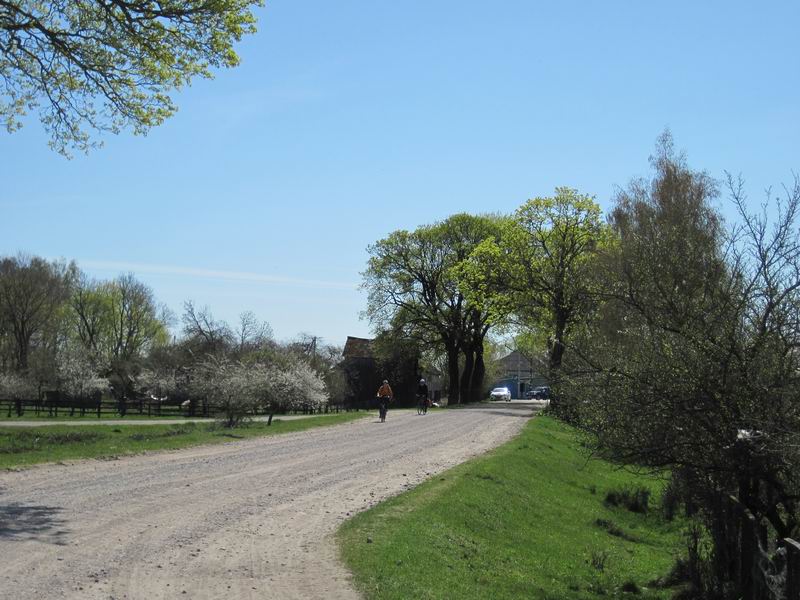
(792, 569)
(749, 547)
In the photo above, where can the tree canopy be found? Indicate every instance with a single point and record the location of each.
(690, 361)
(92, 66)
(414, 290)
(538, 273)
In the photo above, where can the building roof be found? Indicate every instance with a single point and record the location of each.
(356, 347)
(516, 360)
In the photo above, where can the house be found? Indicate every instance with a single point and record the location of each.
(364, 373)
(519, 374)
(360, 370)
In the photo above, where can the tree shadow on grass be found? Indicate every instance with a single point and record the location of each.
(19, 522)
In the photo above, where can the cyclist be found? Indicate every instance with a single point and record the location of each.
(384, 396)
(422, 398)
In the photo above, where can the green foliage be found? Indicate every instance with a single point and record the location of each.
(33, 292)
(690, 361)
(117, 323)
(412, 279)
(635, 499)
(540, 272)
(520, 522)
(106, 66)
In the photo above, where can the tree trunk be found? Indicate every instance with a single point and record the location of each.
(557, 347)
(23, 348)
(478, 374)
(467, 394)
(23, 358)
(452, 374)
(558, 405)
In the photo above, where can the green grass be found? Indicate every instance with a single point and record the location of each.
(526, 521)
(21, 447)
(63, 415)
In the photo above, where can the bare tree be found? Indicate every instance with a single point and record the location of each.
(251, 333)
(203, 331)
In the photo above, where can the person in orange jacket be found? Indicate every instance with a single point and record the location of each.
(384, 395)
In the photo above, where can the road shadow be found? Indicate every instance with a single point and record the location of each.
(19, 522)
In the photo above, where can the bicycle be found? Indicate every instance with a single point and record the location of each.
(383, 408)
(422, 404)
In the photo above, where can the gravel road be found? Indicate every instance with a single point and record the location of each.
(249, 519)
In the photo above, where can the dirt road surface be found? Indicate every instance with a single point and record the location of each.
(245, 520)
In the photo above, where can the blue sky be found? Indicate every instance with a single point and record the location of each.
(348, 120)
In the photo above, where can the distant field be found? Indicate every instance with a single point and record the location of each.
(55, 443)
(526, 521)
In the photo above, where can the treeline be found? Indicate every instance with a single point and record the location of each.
(446, 286)
(668, 334)
(62, 330)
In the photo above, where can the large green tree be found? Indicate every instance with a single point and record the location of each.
(691, 363)
(106, 65)
(414, 290)
(33, 292)
(118, 323)
(539, 273)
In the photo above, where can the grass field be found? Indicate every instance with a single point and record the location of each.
(526, 521)
(55, 443)
(89, 416)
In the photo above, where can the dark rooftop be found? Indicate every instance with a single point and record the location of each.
(357, 348)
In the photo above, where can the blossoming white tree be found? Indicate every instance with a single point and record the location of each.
(77, 374)
(238, 390)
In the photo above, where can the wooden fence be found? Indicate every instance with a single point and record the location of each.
(763, 567)
(792, 569)
(55, 405)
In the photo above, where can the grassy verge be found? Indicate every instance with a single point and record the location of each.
(21, 447)
(89, 416)
(526, 521)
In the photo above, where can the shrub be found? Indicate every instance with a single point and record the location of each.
(598, 560)
(634, 499)
(77, 374)
(229, 387)
(630, 587)
(670, 500)
(289, 386)
(161, 382)
(16, 387)
(613, 529)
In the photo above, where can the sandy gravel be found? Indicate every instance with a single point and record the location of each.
(250, 519)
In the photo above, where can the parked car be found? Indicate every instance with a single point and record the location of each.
(501, 393)
(540, 393)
